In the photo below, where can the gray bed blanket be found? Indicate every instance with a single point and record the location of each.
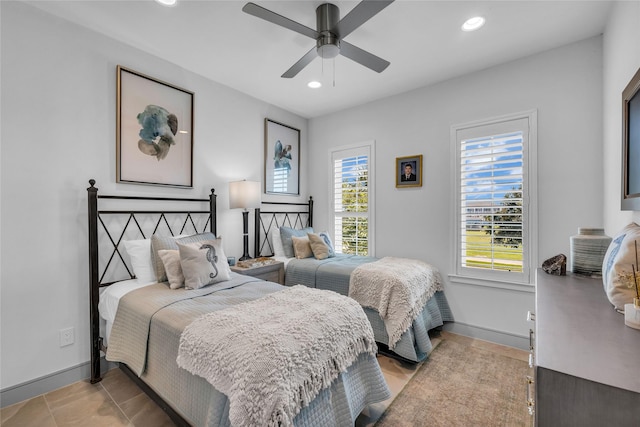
(397, 288)
(294, 344)
(334, 274)
(193, 397)
(130, 331)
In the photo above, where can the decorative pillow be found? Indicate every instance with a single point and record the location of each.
(301, 247)
(287, 233)
(617, 273)
(203, 263)
(276, 242)
(327, 240)
(171, 260)
(318, 246)
(159, 243)
(140, 254)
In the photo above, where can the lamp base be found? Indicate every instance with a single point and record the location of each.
(244, 258)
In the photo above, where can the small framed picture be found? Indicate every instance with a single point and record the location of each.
(409, 171)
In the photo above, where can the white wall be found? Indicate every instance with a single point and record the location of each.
(621, 47)
(58, 130)
(564, 85)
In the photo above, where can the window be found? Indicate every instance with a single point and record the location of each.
(352, 199)
(495, 186)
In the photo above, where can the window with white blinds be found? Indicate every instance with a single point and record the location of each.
(494, 190)
(351, 199)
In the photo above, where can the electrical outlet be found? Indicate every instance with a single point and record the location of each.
(67, 337)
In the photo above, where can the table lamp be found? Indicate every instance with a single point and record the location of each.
(245, 195)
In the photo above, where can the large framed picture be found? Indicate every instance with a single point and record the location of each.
(281, 158)
(154, 131)
(631, 145)
(409, 171)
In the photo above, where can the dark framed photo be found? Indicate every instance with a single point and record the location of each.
(281, 158)
(409, 171)
(154, 131)
(631, 145)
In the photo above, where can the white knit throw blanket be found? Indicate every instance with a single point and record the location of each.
(272, 356)
(397, 288)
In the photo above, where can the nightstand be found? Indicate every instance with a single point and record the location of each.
(272, 272)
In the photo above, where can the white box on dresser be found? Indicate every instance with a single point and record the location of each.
(587, 362)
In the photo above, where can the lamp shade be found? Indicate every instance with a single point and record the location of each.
(244, 194)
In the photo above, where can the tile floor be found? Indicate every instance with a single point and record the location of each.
(117, 401)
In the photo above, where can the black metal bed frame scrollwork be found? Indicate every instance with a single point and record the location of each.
(266, 219)
(97, 277)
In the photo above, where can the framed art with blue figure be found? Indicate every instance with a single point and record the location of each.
(281, 158)
(154, 131)
(409, 171)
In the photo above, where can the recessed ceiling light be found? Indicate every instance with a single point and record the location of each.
(167, 2)
(314, 84)
(473, 24)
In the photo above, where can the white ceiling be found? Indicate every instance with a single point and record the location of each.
(421, 39)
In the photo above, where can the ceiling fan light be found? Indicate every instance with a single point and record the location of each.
(314, 84)
(167, 2)
(473, 24)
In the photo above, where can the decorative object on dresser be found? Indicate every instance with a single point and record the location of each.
(244, 195)
(632, 313)
(556, 265)
(263, 268)
(586, 360)
(409, 171)
(154, 131)
(620, 261)
(588, 248)
(281, 158)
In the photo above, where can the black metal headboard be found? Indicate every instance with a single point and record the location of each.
(294, 215)
(97, 218)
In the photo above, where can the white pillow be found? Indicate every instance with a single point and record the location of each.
(140, 254)
(203, 263)
(276, 241)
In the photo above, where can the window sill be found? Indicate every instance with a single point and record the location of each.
(492, 283)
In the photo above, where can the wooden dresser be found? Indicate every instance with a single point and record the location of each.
(587, 362)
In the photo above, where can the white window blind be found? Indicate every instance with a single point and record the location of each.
(494, 181)
(491, 217)
(351, 199)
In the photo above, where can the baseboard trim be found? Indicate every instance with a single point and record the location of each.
(50, 382)
(487, 334)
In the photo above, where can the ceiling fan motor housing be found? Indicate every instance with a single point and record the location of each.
(328, 44)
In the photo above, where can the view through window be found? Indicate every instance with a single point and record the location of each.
(491, 202)
(351, 202)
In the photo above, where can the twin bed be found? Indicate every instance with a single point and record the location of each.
(334, 273)
(142, 323)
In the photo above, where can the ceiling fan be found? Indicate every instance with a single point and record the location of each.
(330, 32)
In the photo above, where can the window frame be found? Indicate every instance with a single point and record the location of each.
(368, 148)
(492, 278)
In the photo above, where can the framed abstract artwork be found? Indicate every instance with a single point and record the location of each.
(281, 158)
(154, 131)
(409, 171)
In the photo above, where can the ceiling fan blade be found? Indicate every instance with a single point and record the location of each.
(363, 57)
(360, 14)
(267, 15)
(302, 62)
